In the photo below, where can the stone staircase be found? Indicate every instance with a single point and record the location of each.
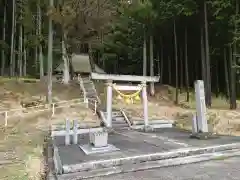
(89, 89)
(119, 120)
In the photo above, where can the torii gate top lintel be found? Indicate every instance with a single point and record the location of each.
(116, 77)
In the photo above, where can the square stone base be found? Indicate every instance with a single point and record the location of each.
(148, 128)
(90, 149)
(204, 136)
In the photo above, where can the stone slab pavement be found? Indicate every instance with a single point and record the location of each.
(181, 137)
(227, 169)
(128, 147)
(132, 143)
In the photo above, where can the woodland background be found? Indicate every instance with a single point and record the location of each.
(180, 40)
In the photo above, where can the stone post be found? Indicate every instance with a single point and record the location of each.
(75, 129)
(109, 104)
(194, 124)
(201, 107)
(145, 103)
(67, 135)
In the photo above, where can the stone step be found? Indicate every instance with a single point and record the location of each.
(116, 125)
(140, 165)
(91, 94)
(91, 91)
(154, 126)
(119, 118)
(119, 122)
(92, 97)
(86, 78)
(89, 87)
(87, 82)
(116, 113)
(141, 122)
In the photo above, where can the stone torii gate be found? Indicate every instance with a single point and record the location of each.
(109, 78)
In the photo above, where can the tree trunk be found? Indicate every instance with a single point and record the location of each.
(159, 66)
(145, 54)
(233, 103)
(50, 56)
(181, 70)
(12, 54)
(20, 46)
(161, 71)
(20, 50)
(233, 65)
(41, 66)
(169, 71)
(217, 80)
(208, 64)
(36, 45)
(203, 64)
(152, 89)
(66, 76)
(176, 60)
(24, 62)
(3, 58)
(226, 73)
(24, 56)
(186, 65)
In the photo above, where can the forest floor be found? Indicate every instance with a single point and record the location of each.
(22, 141)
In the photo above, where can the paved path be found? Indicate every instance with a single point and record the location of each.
(228, 169)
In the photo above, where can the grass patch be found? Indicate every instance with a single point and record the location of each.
(22, 143)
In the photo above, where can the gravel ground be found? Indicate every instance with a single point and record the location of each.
(227, 169)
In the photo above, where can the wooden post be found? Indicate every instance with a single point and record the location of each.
(109, 103)
(67, 135)
(145, 103)
(75, 128)
(6, 118)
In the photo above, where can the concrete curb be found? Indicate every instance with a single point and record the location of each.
(150, 165)
(93, 165)
(57, 161)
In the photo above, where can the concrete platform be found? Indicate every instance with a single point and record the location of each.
(176, 135)
(161, 148)
(225, 169)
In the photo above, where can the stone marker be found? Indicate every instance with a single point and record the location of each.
(201, 107)
(194, 124)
